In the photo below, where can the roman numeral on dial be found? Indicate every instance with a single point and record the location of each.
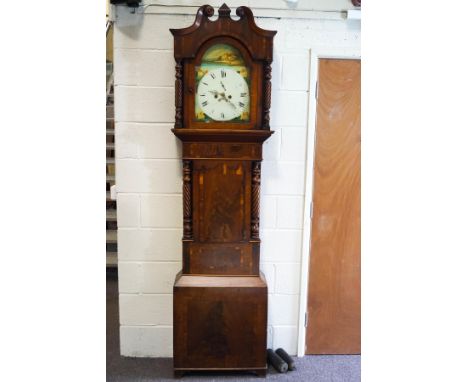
(212, 75)
(223, 73)
(204, 103)
(241, 104)
(243, 94)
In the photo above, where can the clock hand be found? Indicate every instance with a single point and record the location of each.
(216, 94)
(224, 87)
(223, 95)
(230, 103)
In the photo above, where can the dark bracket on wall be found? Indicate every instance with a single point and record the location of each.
(129, 3)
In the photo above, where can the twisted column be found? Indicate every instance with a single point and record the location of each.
(266, 95)
(178, 94)
(187, 199)
(255, 213)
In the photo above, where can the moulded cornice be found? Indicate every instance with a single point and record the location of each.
(245, 30)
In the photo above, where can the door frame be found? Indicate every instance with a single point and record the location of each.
(308, 191)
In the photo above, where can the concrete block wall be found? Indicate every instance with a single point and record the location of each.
(149, 174)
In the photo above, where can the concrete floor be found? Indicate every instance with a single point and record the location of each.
(338, 368)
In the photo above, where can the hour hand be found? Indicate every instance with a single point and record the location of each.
(214, 92)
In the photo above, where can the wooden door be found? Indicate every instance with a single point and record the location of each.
(334, 302)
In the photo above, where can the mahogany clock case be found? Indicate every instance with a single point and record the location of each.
(220, 296)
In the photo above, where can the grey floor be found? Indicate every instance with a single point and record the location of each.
(337, 368)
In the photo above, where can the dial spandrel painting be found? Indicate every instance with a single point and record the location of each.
(222, 81)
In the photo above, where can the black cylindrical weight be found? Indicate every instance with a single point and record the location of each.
(286, 358)
(276, 361)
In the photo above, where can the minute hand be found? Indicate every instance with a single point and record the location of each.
(223, 95)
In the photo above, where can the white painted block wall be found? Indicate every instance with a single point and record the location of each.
(149, 175)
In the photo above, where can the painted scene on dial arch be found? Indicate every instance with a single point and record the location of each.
(219, 59)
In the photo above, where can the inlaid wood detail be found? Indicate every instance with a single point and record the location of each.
(225, 150)
(220, 201)
(222, 258)
(187, 195)
(255, 222)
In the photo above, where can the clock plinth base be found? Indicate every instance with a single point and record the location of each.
(220, 323)
(179, 373)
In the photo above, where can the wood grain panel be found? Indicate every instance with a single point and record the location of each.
(334, 303)
(220, 200)
(218, 322)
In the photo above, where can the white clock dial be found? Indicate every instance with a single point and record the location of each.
(223, 94)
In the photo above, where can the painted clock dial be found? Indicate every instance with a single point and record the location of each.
(223, 94)
(222, 86)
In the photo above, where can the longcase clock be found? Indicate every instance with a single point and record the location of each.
(222, 102)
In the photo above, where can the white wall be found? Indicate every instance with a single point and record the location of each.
(149, 176)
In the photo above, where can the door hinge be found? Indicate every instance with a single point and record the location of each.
(316, 89)
(306, 319)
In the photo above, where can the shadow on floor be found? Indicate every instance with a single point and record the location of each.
(338, 368)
